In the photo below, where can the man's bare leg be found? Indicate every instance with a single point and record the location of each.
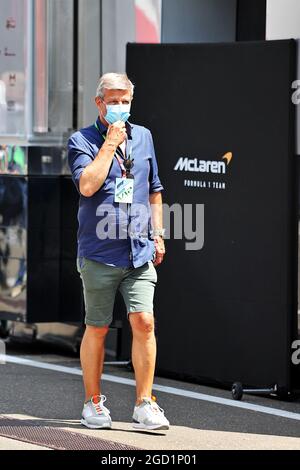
(91, 358)
(143, 353)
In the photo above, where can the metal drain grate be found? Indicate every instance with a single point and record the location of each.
(55, 438)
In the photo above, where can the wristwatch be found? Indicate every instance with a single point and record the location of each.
(158, 232)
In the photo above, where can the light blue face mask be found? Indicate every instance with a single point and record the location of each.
(117, 112)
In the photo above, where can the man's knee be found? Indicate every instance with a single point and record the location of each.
(97, 331)
(142, 323)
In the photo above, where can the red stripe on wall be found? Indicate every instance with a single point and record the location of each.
(146, 31)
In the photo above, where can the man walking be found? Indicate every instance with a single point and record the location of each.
(120, 241)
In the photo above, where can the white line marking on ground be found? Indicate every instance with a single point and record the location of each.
(160, 388)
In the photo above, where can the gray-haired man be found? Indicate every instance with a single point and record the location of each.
(115, 170)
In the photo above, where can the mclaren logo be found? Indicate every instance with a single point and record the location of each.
(203, 166)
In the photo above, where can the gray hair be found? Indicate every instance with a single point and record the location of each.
(114, 81)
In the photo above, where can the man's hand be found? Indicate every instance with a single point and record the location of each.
(94, 174)
(117, 133)
(159, 250)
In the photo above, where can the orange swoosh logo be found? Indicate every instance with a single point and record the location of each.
(228, 157)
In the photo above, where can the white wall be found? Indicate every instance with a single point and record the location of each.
(283, 22)
(89, 59)
(118, 28)
(283, 19)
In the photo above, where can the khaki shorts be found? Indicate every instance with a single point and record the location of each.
(101, 282)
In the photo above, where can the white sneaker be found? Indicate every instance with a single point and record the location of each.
(95, 415)
(148, 415)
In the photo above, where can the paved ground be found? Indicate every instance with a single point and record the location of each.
(52, 400)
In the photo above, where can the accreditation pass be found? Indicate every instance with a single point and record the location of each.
(124, 190)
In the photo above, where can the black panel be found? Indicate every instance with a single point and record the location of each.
(71, 294)
(43, 247)
(251, 20)
(226, 312)
(54, 291)
(45, 160)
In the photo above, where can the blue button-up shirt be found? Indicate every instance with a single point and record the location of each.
(112, 233)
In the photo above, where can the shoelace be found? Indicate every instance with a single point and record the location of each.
(154, 405)
(97, 406)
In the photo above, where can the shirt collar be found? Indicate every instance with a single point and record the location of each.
(103, 128)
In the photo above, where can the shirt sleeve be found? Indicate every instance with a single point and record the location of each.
(154, 181)
(78, 158)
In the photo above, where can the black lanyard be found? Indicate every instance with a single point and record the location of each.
(126, 163)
